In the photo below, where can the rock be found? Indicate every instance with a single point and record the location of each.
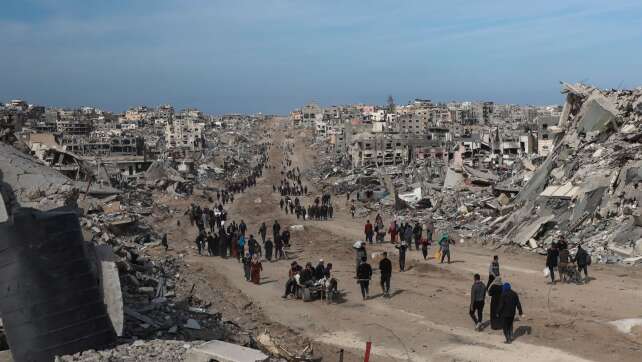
(192, 324)
(224, 352)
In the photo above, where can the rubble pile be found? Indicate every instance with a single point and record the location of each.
(589, 187)
(31, 184)
(152, 307)
(158, 349)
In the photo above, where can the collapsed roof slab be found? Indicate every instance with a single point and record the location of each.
(528, 232)
(596, 115)
(567, 191)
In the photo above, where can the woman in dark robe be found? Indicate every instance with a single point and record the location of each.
(268, 249)
(255, 272)
(495, 293)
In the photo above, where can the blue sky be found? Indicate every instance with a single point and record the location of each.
(273, 55)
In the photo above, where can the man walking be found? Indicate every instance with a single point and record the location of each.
(263, 232)
(402, 254)
(385, 268)
(368, 231)
(276, 231)
(552, 257)
(444, 244)
(364, 274)
(477, 298)
(407, 235)
(506, 310)
(417, 233)
(199, 243)
(583, 260)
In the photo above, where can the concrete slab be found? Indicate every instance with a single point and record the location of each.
(224, 352)
(5, 356)
(4, 216)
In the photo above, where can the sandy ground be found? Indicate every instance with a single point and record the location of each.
(427, 317)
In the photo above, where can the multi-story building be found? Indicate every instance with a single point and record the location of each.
(379, 149)
(544, 134)
(71, 122)
(185, 133)
(312, 113)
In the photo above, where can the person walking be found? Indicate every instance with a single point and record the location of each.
(583, 260)
(268, 249)
(495, 293)
(263, 232)
(424, 247)
(392, 230)
(199, 243)
(493, 271)
(276, 230)
(241, 245)
(402, 254)
(210, 244)
(164, 242)
(255, 269)
(385, 269)
(417, 233)
(407, 235)
(477, 298)
(444, 245)
(247, 265)
(368, 230)
(364, 274)
(360, 253)
(506, 310)
(552, 258)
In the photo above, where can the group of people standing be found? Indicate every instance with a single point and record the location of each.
(558, 257)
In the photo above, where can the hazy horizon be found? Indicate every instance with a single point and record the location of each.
(273, 56)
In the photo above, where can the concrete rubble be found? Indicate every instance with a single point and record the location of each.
(161, 311)
(588, 187)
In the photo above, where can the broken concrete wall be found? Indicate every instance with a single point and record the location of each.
(28, 183)
(591, 182)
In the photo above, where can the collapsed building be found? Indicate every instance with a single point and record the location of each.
(574, 173)
(588, 187)
(137, 295)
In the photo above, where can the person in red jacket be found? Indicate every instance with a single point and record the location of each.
(392, 230)
(368, 230)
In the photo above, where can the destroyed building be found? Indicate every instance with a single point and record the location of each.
(588, 187)
(568, 171)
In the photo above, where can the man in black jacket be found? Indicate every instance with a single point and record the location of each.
(506, 310)
(385, 268)
(552, 257)
(364, 274)
(583, 259)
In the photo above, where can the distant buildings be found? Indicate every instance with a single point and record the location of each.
(184, 132)
(482, 133)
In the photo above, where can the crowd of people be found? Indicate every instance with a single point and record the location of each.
(316, 211)
(230, 240)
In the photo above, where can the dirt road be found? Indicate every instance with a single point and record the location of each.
(427, 317)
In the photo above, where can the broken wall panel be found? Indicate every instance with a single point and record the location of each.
(51, 302)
